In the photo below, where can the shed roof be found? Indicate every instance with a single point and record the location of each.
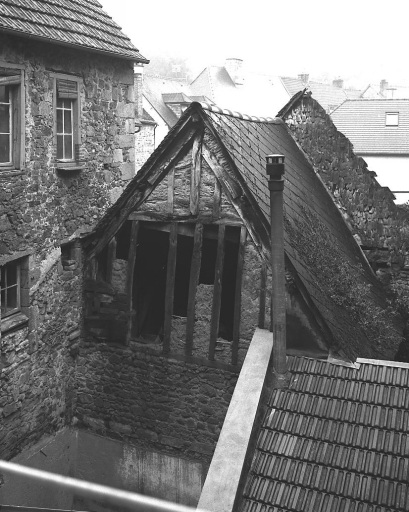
(363, 122)
(321, 251)
(337, 439)
(77, 23)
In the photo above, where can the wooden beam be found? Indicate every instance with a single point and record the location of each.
(217, 292)
(132, 314)
(110, 259)
(262, 306)
(193, 281)
(170, 287)
(217, 197)
(195, 175)
(202, 217)
(171, 190)
(237, 296)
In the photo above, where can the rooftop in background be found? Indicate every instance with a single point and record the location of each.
(337, 439)
(375, 126)
(74, 23)
(329, 96)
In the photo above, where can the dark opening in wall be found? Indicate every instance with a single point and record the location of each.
(209, 253)
(183, 263)
(231, 246)
(150, 281)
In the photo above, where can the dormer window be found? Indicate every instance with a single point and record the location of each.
(392, 119)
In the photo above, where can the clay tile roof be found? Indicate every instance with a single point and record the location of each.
(318, 242)
(363, 122)
(78, 23)
(337, 439)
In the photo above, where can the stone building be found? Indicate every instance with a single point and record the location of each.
(67, 122)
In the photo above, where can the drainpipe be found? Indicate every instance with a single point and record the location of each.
(275, 172)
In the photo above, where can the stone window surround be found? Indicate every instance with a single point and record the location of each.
(74, 164)
(19, 318)
(18, 158)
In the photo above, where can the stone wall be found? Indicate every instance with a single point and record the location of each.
(368, 208)
(40, 206)
(144, 144)
(135, 394)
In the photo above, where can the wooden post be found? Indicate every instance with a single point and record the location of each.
(171, 190)
(193, 281)
(217, 292)
(237, 296)
(170, 286)
(195, 175)
(110, 259)
(132, 315)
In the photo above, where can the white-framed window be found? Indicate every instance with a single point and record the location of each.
(67, 122)
(14, 293)
(11, 119)
(392, 119)
(10, 288)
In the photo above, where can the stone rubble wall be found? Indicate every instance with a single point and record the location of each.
(135, 394)
(367, 206)
(40, 207)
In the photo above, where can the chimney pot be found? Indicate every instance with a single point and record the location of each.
(304, 77)
(339, 82)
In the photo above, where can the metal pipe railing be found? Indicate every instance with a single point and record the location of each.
(102, 493)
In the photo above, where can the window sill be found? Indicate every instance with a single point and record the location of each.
(69, 166)
(10, 172)
(16, 321)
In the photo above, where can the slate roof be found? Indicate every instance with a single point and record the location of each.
(327, 95)
(153, 89)
(78, 23)
(363, 122)
(336, 440)
(318, 243)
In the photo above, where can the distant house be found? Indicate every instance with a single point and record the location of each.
(329, 96)
(379, 131)
(386, 91)
(67, 123)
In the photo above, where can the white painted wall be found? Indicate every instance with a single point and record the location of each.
(392, 171)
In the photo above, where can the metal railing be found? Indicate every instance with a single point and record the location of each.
(109, 496)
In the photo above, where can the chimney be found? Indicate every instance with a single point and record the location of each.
(383, 86)
(304, 77)
(338, 82)
(233, 67)
(275, 172)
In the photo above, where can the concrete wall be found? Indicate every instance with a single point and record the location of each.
(86, 456)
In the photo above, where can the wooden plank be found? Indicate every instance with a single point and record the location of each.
(170, 287)
(193, 281)
(171, 190)
(132, 314)
(217, 292)
(237, 296)
(110, 259)
(262, 306)
(202, 217)
(195, 175)
(217, 198)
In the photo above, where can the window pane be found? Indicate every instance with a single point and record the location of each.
(11, 298)
(68, 146)
(11, 274)
(60, 146)
(4, 148)
(3, 301)
(60, 103)
(67, 121)
(59, 121)
(3, 277)
(4, 118)
(4, 93)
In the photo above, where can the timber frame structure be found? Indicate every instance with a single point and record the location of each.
(181, 260)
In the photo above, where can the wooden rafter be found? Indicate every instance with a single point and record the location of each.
(195, 174)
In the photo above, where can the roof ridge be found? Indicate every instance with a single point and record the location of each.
(238, 115)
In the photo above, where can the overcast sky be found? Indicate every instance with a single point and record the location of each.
(359, 40)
